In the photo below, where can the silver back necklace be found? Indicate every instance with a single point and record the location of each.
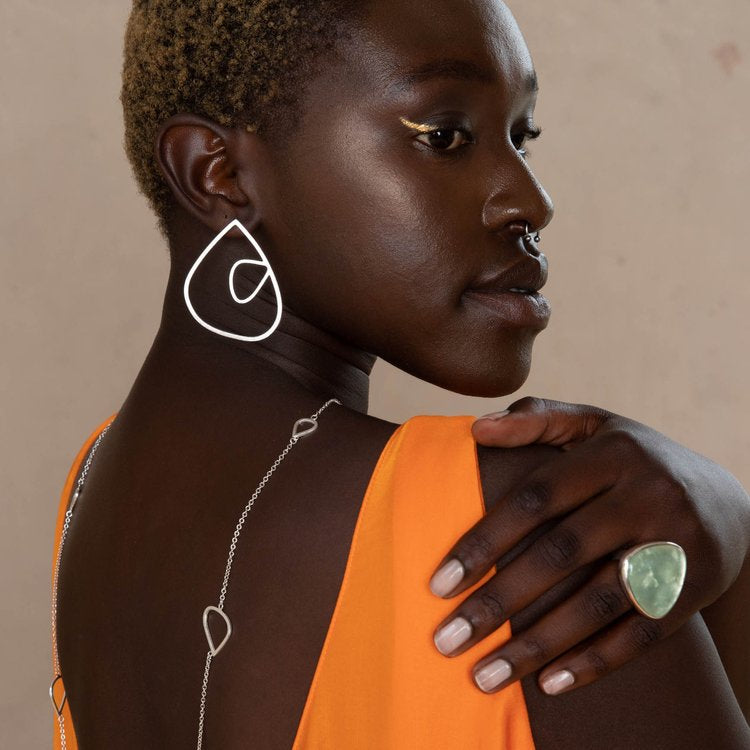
(302, 427)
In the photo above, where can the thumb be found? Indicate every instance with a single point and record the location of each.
(539, 420)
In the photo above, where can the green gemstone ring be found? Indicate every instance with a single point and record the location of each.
(653, 575)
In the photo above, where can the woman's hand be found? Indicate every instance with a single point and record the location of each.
(617, 484)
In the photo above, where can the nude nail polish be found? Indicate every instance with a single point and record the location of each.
(492, 674)
(557, 681)
(447, 578)
(452, 635)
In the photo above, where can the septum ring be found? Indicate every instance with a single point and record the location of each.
(527, 237)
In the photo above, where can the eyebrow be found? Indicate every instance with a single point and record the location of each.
(452, 67)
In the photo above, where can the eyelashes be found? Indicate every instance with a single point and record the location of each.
(443, 133)
(530, 134)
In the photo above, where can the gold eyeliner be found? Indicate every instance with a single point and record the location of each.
(417, 126)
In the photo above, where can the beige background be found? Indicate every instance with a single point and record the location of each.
(644, 105)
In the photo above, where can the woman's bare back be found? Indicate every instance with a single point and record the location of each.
(147, 553)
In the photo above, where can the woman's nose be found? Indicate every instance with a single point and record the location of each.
(519, 204)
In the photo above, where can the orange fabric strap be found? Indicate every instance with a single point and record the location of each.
(70, 738)
(380, 681)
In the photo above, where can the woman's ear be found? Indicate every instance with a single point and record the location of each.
(196, 159)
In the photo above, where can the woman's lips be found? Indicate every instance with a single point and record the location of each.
(527, 309)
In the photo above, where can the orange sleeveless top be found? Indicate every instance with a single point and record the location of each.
(424, 493)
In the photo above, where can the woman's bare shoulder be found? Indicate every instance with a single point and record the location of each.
(675, 696)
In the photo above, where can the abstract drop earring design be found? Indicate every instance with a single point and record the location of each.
(269, 274)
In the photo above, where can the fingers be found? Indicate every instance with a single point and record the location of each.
(538, 420)
(625, 640)
(552, 490)
(597, 604)
(550, 559)
(591, 634)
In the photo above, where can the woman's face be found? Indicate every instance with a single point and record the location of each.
(379, 231)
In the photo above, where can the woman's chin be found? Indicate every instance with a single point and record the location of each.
(483, 379)
(492, 385)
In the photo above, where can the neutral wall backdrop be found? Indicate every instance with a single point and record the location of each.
(644, 108)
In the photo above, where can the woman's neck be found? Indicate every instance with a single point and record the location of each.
(297, 353)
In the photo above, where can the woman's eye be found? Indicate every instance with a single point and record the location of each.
(445, 138)
(520, 139)
(519, 147)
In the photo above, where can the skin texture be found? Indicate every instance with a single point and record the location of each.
(375, 239)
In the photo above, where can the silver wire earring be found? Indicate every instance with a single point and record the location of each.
(527, 237)
(269, 275)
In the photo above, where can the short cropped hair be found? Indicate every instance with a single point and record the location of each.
(237, 62)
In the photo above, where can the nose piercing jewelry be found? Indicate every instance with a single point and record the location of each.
(527, 237)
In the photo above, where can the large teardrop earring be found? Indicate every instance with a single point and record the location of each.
(269, 275)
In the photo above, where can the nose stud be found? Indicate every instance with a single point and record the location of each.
(527, 237)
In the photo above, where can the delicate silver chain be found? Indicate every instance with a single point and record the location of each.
(298, 431)
(233, 546)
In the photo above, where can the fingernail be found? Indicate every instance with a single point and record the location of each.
(492, 674)
(495, 414)
(557, 681)
(452, 635)
(447, 577)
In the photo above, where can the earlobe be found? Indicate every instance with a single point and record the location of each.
(192, 154)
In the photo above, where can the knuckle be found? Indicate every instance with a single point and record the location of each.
(596, 414)
(596, 662)
(531, 499)
(672, 491)
(475, 549)
(532, 403)
(603, 603)
(538, 650)
(559, 549)
(669, 496)
(485, 610)
(623, 442)
(668, 486)
(493, 606)
(593, 420)
(644, 633)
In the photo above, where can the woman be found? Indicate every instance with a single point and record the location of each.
(395, 215)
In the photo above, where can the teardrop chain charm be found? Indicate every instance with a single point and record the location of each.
(215, 649)
(57, 706)
(298, 432)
